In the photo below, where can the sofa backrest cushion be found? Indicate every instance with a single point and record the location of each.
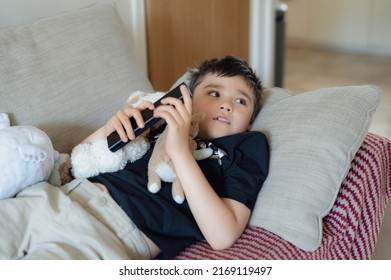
(69, 73)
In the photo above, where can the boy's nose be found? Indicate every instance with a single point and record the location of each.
(226, 107)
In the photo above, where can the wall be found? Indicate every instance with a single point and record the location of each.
(360, 26)
(262, 32)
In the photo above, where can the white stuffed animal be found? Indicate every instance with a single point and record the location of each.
(27, 157)
(91, 159)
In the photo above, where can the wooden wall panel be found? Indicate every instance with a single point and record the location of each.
(182, 33)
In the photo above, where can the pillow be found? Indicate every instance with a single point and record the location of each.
(313, 137)
(69, 73)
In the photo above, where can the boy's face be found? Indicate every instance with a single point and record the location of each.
(228, 104)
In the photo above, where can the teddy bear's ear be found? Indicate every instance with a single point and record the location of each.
(4, 120)
(197, 117)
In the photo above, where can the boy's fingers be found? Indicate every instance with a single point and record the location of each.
(185, 107)
(117, 125)
(186, 98)
(185, 91)
(146, 105)
(124, 128)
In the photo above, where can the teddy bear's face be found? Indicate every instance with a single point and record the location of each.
(27, 157)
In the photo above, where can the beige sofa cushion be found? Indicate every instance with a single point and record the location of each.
(68, 74)
(313, 138)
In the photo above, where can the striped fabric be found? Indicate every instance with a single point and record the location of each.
(351, 228)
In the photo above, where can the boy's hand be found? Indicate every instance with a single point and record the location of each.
(120, 122)
(177, 115)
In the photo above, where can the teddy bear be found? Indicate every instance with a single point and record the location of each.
(90, 159)
(161, 168)
(27, 157)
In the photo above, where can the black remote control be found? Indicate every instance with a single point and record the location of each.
(114, 141)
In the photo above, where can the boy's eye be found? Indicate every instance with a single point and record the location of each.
(241, 101)
(214, 93)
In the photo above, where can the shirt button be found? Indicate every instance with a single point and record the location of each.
(102, 200)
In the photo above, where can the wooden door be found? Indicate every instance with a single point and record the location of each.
(183, 33)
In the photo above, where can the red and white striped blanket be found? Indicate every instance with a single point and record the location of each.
(351, 228)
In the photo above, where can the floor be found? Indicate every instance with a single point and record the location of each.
(309, 69)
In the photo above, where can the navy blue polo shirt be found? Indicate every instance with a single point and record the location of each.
(238, 175)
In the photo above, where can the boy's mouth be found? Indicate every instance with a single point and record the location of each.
(222, 119)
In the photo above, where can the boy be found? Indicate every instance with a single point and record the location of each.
(220, 194)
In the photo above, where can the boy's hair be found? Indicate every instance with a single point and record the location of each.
(229, 66)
